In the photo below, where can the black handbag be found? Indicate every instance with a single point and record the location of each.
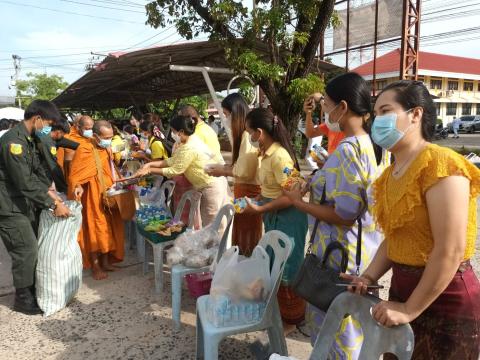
(316, 281)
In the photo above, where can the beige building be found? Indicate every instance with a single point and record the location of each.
(454, 80)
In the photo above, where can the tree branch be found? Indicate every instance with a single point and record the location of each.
(208, 18)
(318, 30)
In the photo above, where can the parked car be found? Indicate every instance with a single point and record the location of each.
(468, 123)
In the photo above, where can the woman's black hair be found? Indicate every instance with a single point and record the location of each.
(355, 91)
(411, 94)
(264, 119)
(185, 123)
(238, 107)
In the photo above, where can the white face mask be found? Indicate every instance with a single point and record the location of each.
(175, 137)
(255, 144)
(332, 126)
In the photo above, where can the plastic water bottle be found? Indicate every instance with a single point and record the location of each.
(318, 153)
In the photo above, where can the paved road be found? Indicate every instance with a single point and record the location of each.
(467, 140)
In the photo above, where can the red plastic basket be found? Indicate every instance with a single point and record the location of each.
(199, 284)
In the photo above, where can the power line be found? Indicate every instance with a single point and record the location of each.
(68, 12)
(104, 7)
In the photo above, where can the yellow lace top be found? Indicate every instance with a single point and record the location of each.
(401, 209)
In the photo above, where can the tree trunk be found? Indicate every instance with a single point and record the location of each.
(282, 106)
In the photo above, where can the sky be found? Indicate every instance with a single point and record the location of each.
(58, 36)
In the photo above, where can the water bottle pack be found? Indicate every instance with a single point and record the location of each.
(149, 213)
(222, 311)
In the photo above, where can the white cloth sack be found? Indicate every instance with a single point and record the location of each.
(59, 266)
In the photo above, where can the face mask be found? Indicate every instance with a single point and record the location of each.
(332, 126)
(87, 133)
(255, 144)
(384, 130)
(175, 137)
(44, 132)
(105, 143)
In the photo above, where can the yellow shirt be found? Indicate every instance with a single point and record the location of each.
(210, 138)
(157, 149)
(190, 159)
(245, 168)
(401, 208)
(270, 172)
(118, 145)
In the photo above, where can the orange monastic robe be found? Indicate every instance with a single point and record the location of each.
(102, 229)
(62, 152)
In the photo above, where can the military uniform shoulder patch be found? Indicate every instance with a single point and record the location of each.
(16, 149)
(53, 150)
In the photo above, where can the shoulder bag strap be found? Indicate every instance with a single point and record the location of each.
(315, 227)
(358, 256)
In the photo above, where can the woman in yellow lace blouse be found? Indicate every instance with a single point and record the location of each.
(425, 203)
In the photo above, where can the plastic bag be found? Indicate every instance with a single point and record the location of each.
(240, 287)
(241, 278)
(194, 248)
(59, 266)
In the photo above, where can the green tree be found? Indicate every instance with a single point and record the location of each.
(290, 29)
(40, 86)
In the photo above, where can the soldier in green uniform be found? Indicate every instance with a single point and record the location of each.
(47, 145)
(22, 193)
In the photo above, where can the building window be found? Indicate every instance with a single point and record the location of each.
(421, 78)
(466, 109)
(478, 86)
(478, 109)
(437, 106)
(380, 85)
(468, 86)
(452, 85)
(436, 84)
(452, 109)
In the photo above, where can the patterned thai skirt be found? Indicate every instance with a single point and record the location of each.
(450, 327)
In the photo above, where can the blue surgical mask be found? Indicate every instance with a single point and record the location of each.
(384, 130)
(44, 132)
(87, 133)
(105, 143)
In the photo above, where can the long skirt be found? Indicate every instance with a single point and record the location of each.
(450, 327)
(247, 229)
(214, 197)
(294, 224)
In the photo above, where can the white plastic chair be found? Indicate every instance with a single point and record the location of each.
(180, 271)
(191, 196)
(377, 339)
(209, 336)
(166, 193)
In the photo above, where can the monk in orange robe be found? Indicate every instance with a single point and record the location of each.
(80, 132)
(102, 235)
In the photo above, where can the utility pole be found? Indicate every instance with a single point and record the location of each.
(17, 66)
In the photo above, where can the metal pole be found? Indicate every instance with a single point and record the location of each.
(205, 70)
(348, 35)
(417, 37)
(404, 45)
(374, 82)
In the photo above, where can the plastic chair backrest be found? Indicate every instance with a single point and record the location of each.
(194, 198)
(167, 188)
(282, 246)
(377, 340)
(227, 211)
